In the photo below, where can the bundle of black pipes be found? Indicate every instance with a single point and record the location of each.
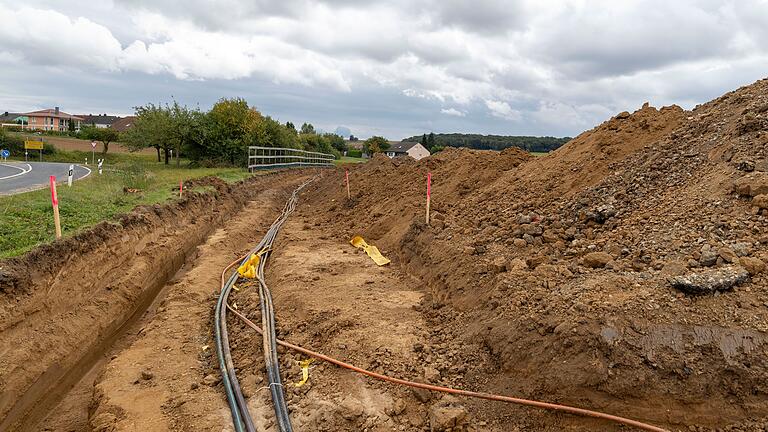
(241, 418)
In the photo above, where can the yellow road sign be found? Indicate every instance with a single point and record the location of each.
(33, 145)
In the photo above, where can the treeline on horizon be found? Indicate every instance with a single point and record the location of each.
(489, 142)
(221, 136)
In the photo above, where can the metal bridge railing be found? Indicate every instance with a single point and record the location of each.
(277, 157)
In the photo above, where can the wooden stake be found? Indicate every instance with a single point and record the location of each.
(181, 187)
(429, 193)
(346, 175)
(55, 202)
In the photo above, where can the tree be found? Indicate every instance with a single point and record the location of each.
(307, 128)
(291, 128)
(317, 143)
(495, 142)
(185, 128)
(424, 141)
(231, 127)
(337, 142)
(150, 129)
(430, 140)
(277, 135)
(104, 135)
(353, 138)
(375, 144)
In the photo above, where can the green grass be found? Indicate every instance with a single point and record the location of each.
(26, 220)
(347, 159)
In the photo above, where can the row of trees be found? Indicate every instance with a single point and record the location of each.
(435, 142)
(220, 136)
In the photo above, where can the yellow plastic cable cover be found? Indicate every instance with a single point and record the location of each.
(371, 250)
(304, 372)
(248, 268)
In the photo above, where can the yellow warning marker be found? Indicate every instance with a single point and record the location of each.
(248, 268)
(304, 372)
(371, 250)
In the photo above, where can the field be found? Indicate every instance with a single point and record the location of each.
(71, 144)
(349, 160)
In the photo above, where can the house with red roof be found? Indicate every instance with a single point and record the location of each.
(51, 119)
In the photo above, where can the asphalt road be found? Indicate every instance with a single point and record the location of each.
(17, 177)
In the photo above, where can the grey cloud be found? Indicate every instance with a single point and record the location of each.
(479, 16)
(389, 67)
(600, 42)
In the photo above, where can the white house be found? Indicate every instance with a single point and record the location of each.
(412, 149)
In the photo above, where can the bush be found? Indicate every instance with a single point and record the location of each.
(15, 145)
(56, 133)
(355, 153)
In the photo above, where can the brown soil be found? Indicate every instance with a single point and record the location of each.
(545, 278)
(508, 260)
(64, 304)
(69, 144)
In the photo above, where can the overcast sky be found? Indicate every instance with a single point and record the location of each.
(393, 68)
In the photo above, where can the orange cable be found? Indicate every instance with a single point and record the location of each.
(489, 396)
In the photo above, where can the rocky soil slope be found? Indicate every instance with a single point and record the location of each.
(624, 271)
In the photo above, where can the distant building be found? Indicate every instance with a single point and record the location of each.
(412, 149)
(101, 121)
(50, 119)
(10, 118)
(123, 124)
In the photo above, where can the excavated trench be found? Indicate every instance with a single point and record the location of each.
(64, 305)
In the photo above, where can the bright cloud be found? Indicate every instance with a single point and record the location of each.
(453, 112)
(502, 110)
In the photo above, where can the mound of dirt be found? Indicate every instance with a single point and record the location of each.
(561, 266)
(378, 185)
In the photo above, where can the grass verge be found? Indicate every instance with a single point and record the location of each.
(26, 220)
(347, 159)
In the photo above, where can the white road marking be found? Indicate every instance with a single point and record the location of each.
(86, 174)
(23, 171)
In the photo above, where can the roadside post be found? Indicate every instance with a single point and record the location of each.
(429, 193)
(181, 188)
(93, 152)
(101, 163)
(55, 202)
(69, 175)
(5, 153)
(346, 178)
(26, 156)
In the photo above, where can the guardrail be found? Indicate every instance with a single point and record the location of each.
(277, 157)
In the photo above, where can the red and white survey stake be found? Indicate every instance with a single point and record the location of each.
(346, 179)
(429, 193)
(55, 202)
(181, 187)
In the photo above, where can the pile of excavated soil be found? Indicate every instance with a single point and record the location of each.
(624, 271)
